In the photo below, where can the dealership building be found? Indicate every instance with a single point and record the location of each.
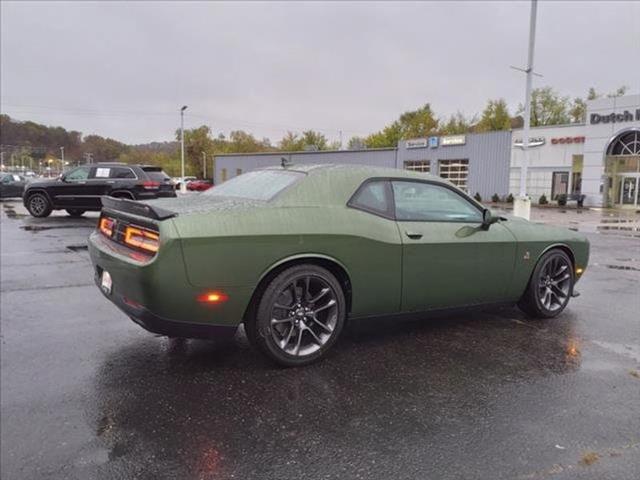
(599, 158)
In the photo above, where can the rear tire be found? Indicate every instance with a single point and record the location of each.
(299, 316)
(74, 212)
(550, 286)
(39, 205)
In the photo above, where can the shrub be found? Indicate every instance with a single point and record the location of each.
(495, 198)
(562, 199)
(477, 196)
(543, 200)
(510, 198)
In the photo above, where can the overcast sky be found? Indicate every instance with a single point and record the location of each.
(123, 69)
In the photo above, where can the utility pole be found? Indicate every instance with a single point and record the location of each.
(204, 165)
(61, 159)
(522, 205)
(341, 146)
(183, 184)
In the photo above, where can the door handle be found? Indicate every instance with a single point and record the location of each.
(413, 235)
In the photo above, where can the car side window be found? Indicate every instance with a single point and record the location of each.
(78, 175)
(374, 197)
(428, 202)
(122, 172)
(7, 179)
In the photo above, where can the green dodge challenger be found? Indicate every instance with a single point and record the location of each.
(294, 251)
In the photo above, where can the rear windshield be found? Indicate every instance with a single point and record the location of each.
(258, 185)
(156, 174)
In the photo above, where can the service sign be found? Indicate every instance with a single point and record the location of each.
(433, 142)
(417, 143)
(533, 142)
(453, 140)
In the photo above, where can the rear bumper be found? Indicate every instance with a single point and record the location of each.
(157, 295)
(163, 326)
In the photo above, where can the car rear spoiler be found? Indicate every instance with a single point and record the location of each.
(136, 208)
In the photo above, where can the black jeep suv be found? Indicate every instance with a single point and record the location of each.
(80, 189)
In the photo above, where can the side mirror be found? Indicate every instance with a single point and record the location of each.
(488, 219)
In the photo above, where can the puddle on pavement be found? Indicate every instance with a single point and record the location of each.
(10, 212)
(623, 267)
(39, 228)
(77, 248)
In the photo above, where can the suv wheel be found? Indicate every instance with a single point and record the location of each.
(75, 212)
(299, 317)
(39, 205)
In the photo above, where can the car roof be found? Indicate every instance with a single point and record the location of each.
(357, 172)
(336, 183)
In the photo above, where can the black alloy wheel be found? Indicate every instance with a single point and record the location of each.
(550, 286)
(39, 205)
(299, 317)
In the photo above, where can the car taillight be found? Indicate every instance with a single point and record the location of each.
(149, 185)
(106, 226)
(141, 238)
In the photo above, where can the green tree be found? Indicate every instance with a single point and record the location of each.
(578, 110)
(495, 116)
(412, 124)
(291, 142)
(456, 125)
(547, 107)
(389, 136)
(103, 149)
(314, 140)
(356, 143)
(243, 142)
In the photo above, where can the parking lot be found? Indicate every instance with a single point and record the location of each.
(88, 394)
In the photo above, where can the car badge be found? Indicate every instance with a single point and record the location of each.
(527, 256)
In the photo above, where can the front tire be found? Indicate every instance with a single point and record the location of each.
(299, 316)
(550, 286)
(39, 205)
(74, 212)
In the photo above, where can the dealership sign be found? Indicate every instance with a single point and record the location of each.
(533, 142)
(453, 140)
(625, 116)
(418, 143)
(561, 140)
(433, 142)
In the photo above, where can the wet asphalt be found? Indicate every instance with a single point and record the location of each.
(86, 394)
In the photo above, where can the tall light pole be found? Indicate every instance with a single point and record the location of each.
(61, 159)
(204, 165)
(522, 205)
(183, 184)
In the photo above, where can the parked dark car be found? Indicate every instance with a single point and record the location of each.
(11, 185)
(79, 190)
(199, 185)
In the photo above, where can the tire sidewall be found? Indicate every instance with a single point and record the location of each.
(262, 318)
(535, 279)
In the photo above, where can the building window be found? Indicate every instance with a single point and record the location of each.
(238, 171)
(423, 166)
(559, 184)
(224, 175)
(456, 171)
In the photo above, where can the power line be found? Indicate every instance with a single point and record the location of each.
(29, 109)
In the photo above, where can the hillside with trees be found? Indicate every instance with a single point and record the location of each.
(29, 143)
